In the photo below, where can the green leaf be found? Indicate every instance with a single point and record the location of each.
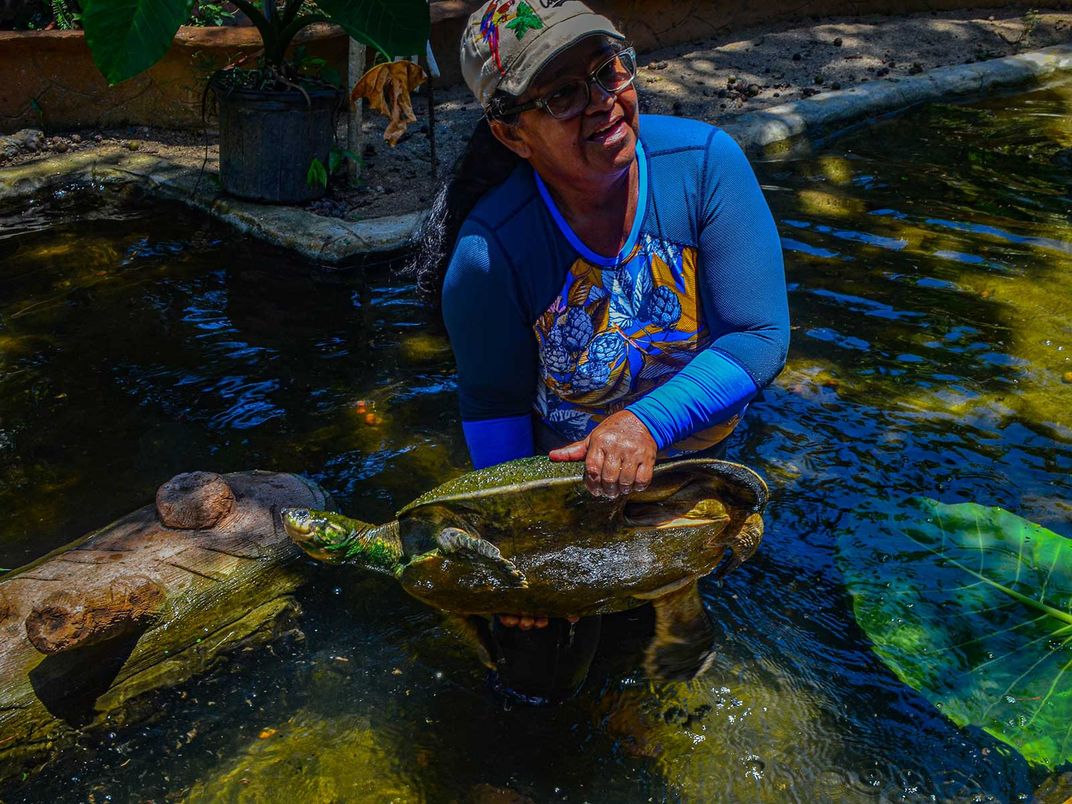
(317, 174)
(525, 21)
(337, 155)
(393, 27)
(972, 606)
(128, 36)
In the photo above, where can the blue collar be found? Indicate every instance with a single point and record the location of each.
(587, 253)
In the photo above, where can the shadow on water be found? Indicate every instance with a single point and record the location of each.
(929, 267)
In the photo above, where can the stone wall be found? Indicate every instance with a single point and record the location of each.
(48, 79)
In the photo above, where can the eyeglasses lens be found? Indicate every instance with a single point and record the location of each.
(568, 100)
(618, 73)
(614, 76)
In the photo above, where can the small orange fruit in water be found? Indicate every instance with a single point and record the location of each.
(371, 419)
(266, 733)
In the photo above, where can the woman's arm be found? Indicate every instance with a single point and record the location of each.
(742, 286)
(494, 350)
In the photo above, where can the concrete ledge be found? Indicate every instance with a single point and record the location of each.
(313, 236)
(332, 240)
(757, 131)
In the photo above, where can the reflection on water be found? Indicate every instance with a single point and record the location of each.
(929, 262)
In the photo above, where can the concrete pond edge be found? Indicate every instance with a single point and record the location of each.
(769, 131)
(331, 240)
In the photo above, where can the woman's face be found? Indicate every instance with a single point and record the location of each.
(598, 143)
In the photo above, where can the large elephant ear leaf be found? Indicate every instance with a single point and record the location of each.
(972, 606)
(393, 27)
(129, 36)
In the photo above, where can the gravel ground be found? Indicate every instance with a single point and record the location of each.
(710, 80)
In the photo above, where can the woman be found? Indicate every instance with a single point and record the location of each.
(612, 283)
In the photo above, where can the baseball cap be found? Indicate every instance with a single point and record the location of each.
(507, 42)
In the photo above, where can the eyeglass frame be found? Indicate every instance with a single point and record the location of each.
(541, 103)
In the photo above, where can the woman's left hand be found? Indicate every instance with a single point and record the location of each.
(618, 455)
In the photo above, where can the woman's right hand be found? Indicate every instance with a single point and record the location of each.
(619, 455)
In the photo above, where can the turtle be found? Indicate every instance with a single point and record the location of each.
(527, 536)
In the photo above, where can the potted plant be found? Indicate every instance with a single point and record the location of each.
(274, 118)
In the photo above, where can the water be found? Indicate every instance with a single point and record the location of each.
(930, 262)
(142, 341)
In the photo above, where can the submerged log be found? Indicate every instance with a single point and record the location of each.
(89, 632)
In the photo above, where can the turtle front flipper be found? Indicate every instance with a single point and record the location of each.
(682, 646)
(337, 539)
(743, 545)
(457, 543)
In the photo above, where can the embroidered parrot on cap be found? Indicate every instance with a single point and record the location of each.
(500, 13)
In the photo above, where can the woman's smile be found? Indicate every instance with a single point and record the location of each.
(611, 134)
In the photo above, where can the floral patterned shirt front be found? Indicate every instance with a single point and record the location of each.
(615, 333)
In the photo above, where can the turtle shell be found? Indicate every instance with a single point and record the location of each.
(578, 554)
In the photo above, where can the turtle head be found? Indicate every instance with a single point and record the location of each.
(337, 539)
(316, 532)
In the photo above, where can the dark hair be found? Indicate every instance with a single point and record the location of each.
(485, 163)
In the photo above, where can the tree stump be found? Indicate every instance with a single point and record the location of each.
(164, 594)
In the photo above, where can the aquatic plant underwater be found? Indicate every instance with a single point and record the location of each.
(971, 606)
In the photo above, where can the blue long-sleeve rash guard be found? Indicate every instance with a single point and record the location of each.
(682, 327)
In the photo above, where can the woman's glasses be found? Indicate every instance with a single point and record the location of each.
(569, 99)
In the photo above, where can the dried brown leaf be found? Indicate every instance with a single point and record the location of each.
(387, 88)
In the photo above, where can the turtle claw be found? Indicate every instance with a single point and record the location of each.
(743, 546)
(456, 541)
(728, 566)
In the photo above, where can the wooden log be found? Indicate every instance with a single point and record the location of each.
(90, 632)
(68, 620)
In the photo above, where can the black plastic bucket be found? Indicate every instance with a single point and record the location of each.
(268, 140)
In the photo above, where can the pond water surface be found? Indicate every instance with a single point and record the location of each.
(930, 270)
